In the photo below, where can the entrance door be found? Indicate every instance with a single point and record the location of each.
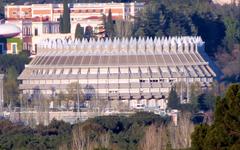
(14, 48)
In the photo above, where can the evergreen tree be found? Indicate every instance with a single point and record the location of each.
(61, 24)
(173, 29)
(173, 99)
(224, 133)
(79, 32)
(109, 26)
(1, 9)
(231, 32)
(88, 32)
(11, 87)
(66, 17)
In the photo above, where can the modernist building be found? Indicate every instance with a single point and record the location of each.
(119, 68)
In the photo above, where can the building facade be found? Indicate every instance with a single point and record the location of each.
(38, 20)
(10, 43)
(87, 14)
(226, 2)
(32, 29)
(119, 69)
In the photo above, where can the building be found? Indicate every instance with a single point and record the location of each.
(87, 14)
(10, 43)
(38, 20)
(224, 2)
(132, 70)
(32, 29)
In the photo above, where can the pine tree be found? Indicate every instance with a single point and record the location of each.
(88, 32)
(79, 32)
(61, 24)
(173, 99)
(224, 133)
(1, 9)
(11, 87)
(109, 26)
(66, 17)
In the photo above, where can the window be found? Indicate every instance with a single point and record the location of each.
(14, 48)
(153, 80)
(161, 80)
(36, 32)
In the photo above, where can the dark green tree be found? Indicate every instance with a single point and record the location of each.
(61, 24)
(224, 133)
(79, 32)
(1, 10)
(211, 28)
(231, 32)
(18, 61)
(173, 99)
(198, 137)
(109, 26)
(88, 32)
(66, 17)
(174, 28)
(11, 87)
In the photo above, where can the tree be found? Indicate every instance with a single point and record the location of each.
(224, 133)
(88, 32)
(109, 26)
(155, 138)
(18, 61)
(79, 32)
(123, 28)
(60, 97)
(231, 32)
(1, 10)
(180, 135)
(61, 25)
(194, 94)
(66, 17)
(173, 99)
(89, 136)
(11, 87)
(75, 92)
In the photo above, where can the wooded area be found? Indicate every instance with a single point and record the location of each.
(141, 131)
